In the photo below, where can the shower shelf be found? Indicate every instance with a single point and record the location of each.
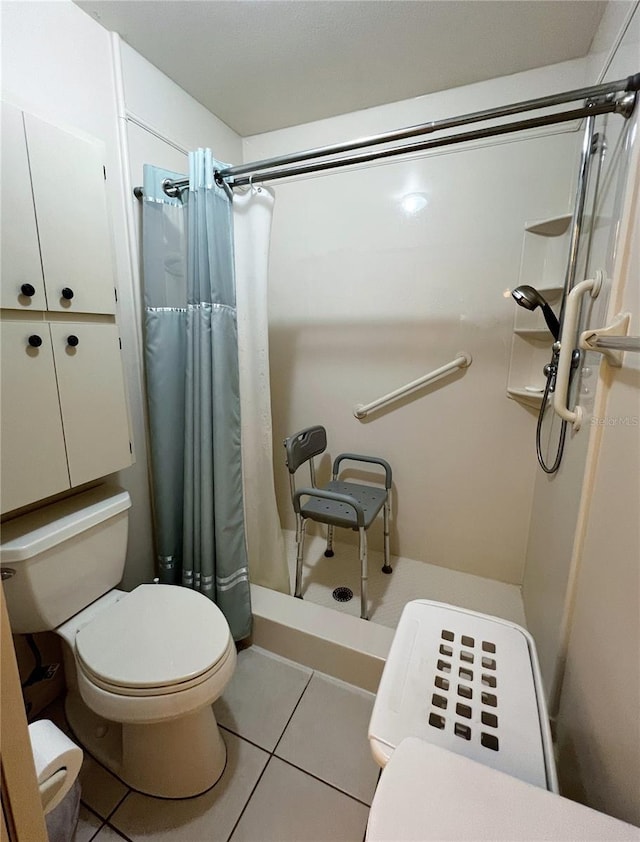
(523, 396)
(542, 265)
(533, 333)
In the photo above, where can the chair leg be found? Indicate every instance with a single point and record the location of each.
(301, 524)
(329, 551)
(386, 568)
(364, 613)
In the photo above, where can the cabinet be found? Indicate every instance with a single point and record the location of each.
(64, 418)
(55, 221)
(543, 265)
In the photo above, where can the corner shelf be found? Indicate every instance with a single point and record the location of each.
(533, 399)
(542, 265)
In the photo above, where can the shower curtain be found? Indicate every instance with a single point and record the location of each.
(252, 214)
(191, 359)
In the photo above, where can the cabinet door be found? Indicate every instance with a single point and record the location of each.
(92, 399)
(21, 265)
(33, 458)
(71, 208)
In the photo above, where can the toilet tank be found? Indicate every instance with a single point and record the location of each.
(58, 559)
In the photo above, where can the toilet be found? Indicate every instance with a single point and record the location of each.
(142, 668)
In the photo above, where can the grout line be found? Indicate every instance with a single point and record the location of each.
(119, 804)
(115, 830)
(246, 803)
(322, 781)
(293, 712)
(245, 739)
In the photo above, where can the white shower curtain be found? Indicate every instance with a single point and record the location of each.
(252, 214)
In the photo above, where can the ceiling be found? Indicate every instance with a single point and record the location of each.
(266, 64)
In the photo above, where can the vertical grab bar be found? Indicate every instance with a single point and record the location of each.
(568, 341)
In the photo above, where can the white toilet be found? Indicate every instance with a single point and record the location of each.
(142, 668)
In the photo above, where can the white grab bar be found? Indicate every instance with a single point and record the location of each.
(568, 341)
(461, 361)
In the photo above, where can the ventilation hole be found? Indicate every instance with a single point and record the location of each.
(489, 699)
(444, 666)
(463, 731)
(464, 691)
(442, 683)
(463, 672)
(489, 680)
(489, 741)
(468, 641)
(487, 646)
(342, 594)
(463, 710)
(488, 663)
(466, 656)
(447, 635)
(489, 719)
(445, 650)
(436, 720)
(439, 701)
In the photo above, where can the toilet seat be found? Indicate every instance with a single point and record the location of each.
(157, 640)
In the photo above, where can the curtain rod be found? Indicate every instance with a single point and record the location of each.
(239, 175)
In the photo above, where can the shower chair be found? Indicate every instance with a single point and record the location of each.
(346, 504)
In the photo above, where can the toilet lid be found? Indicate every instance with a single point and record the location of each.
(156, 636)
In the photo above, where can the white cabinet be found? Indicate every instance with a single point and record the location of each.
(92, 398)
(63, 408)
(34, 460)
(55, 220)
(21, 267)
(64, 418)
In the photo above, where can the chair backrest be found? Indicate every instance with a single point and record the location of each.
(302, 446)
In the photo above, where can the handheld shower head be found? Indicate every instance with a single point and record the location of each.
(530, 298)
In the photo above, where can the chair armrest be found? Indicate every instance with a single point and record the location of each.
(356, 457)
(345, 499)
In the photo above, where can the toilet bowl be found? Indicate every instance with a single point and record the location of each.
(142, 668)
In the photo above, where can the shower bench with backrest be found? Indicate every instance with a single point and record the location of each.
(349, 505)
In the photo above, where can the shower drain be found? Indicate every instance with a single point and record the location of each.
(342, 594)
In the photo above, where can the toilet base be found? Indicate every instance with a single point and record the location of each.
(178, 758)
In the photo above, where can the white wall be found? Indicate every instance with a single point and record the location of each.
(160, 124)
(57, 63)
(597, 727)
(365, 298)
(557, 499)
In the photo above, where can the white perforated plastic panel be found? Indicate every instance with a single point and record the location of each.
(469, 683)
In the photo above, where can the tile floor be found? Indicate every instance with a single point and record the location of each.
(298, 767)
(388, 594)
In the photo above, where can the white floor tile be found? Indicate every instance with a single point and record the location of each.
(88, 825)
(327, 736)
(290, 806)
(261, 696)
(209, 817)
(108, 834)
(101, 791)
(388, 594)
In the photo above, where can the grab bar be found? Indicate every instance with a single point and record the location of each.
(567, 344)
(461, 361)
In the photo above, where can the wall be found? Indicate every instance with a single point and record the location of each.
(57, 63)
(557, 498)
(159, 123)
(365, 297)
(597, 727)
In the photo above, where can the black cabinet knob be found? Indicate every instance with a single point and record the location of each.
(72, 340)
(28, 290)
(67, 293)
(35, 341)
